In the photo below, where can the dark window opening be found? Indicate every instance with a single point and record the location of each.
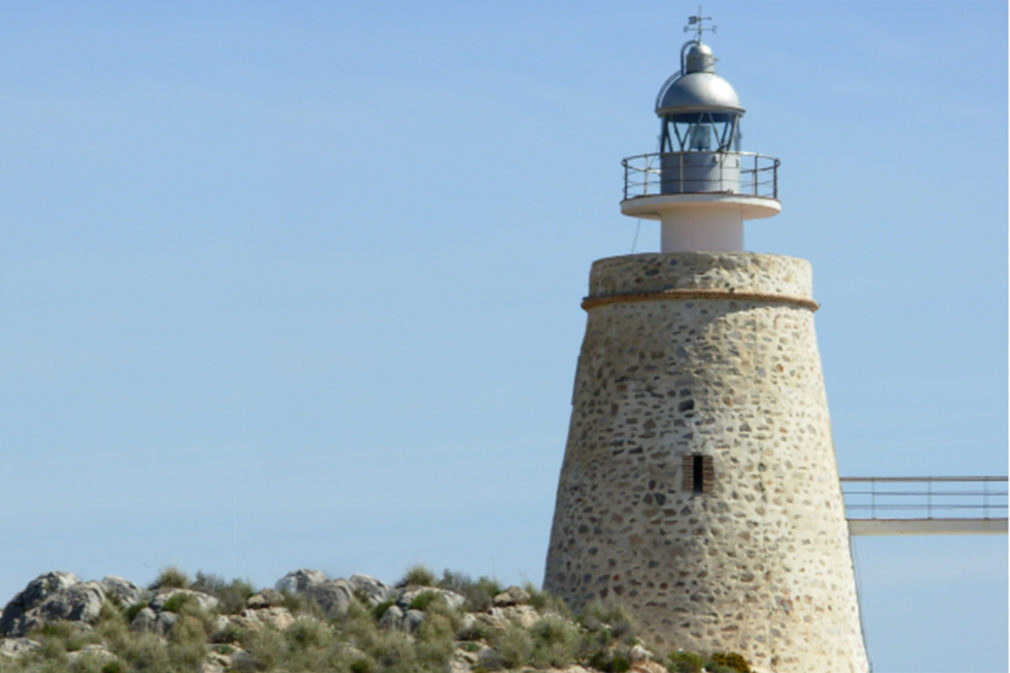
(697, 475)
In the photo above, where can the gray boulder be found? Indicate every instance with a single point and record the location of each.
(145, 620)
(165, 622)
(37, 591)
(371, 590)
(154, 622)
(52, 597)
(93, 654)
(333, 596)
(392, 619)
(406, 597)
(299, 581)
(412, 620)
(204, 601)
(512, 596)
(15, 648)
(124, 592)
(79, 603)
(268, 598)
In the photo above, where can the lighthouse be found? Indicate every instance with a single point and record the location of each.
(699, 486)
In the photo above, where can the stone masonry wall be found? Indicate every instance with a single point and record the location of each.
(711, 355)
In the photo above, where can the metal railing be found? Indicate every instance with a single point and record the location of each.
(925, 497)
(757, 175)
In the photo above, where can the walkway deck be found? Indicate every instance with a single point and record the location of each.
(926, 505)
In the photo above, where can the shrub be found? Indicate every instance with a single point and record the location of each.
(232, 595)
(131, 612)
(144, 652)
(609, 661)
(513, 645)
(730, 660)
(307, 633)
(418, 576)
(361, 666)
(299, 604)
(434, 640)
(424, 599)
(545, 602)
(59, 630)
(175, 603)
(478, 593)
(88, 663)
(685, 662)
(620, 664)
(265, 648)
(380, 609)
(170, 578)
(612, 617)
(81, 638)
(476, 631)
(555, 642)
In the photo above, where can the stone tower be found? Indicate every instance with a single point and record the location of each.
(699, 486)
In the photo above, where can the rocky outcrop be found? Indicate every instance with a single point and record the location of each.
(54, 596)
(179, 596)
(124, 592)
(407, 597)
(268, 598)
(369, 589)
(300, 581)
(333, 596)
(307, 607)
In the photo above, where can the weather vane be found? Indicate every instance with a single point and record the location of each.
(696, 23)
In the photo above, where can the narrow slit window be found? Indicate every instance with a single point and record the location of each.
(698, 473)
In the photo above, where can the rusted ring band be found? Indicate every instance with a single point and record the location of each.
(698, 293)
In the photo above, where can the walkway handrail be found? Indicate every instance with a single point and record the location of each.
(977, 497)
(757, 174)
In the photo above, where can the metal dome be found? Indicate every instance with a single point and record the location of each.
(696, 87)
(697, 91)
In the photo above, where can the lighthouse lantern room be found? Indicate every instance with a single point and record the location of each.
(700, 185)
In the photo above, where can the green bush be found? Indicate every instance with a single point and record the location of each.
(170, 578)
(175, 603)
(555, 642)
(730, 660)
(422, 600)
(418, 576)
(380, 609)
(478, 593)
(685, 662)
(609, 661)
(301, 605)
(231, 595)
(513, 645)
(434, 641)
(476, 631)
(612, 617)
(131, 612)
(361, 666)
(542, 601)
(143, 652)
(59, 630)
(307, 633)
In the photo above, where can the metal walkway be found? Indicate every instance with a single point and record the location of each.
(925, 505)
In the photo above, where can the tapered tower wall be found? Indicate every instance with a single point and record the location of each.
(712, 355)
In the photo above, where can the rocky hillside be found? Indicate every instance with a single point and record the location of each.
(312, 623)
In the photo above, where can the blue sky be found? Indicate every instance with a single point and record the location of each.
(298, 284)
